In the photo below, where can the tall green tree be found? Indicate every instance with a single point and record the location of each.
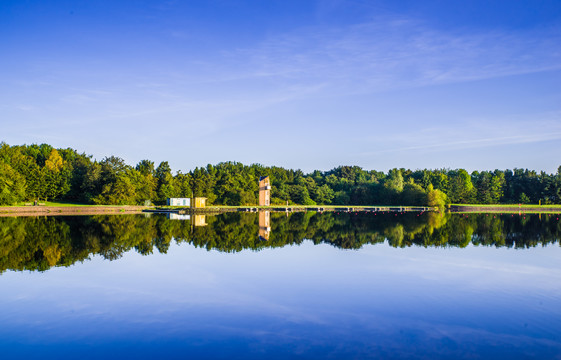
(164, 183)
(12, 185)
(460, 187)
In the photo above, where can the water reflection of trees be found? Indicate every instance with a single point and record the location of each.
(42, 242)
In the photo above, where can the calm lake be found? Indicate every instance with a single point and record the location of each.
(277, 286)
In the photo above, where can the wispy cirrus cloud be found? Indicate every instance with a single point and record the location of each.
(396, 52)
(472, 134)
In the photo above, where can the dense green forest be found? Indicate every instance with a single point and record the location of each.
(38, 243)
(41, 172)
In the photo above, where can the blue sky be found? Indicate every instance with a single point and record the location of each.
(300, 84)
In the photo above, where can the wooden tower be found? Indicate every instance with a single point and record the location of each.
(264, 191)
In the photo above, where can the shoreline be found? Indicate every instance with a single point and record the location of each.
(79, 209)
(70, 210)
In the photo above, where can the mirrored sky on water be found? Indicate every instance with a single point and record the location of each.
(308, 301)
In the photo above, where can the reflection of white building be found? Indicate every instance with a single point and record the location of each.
(173, 216)
(179, 202)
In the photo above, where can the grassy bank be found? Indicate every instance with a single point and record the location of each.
(508, 206)
(50, 208)
(59, 204)
(505, 208)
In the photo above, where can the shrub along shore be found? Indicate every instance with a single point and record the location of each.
(30, 173)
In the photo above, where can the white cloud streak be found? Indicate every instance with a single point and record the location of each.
(389, 53)
(472, 134)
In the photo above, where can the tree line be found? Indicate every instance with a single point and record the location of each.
(39, 243)
(42, 172)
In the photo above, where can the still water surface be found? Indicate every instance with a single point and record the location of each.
(304, 285)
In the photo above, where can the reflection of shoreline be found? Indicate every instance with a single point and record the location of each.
(40, 242)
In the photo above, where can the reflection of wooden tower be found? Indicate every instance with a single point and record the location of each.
(264, 225)
(264, 191)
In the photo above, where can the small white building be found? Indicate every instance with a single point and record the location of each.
(179, 202)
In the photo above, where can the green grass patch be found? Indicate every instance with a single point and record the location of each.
(511, 206)
(65, 204)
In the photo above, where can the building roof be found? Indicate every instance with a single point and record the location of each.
(262, 177)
